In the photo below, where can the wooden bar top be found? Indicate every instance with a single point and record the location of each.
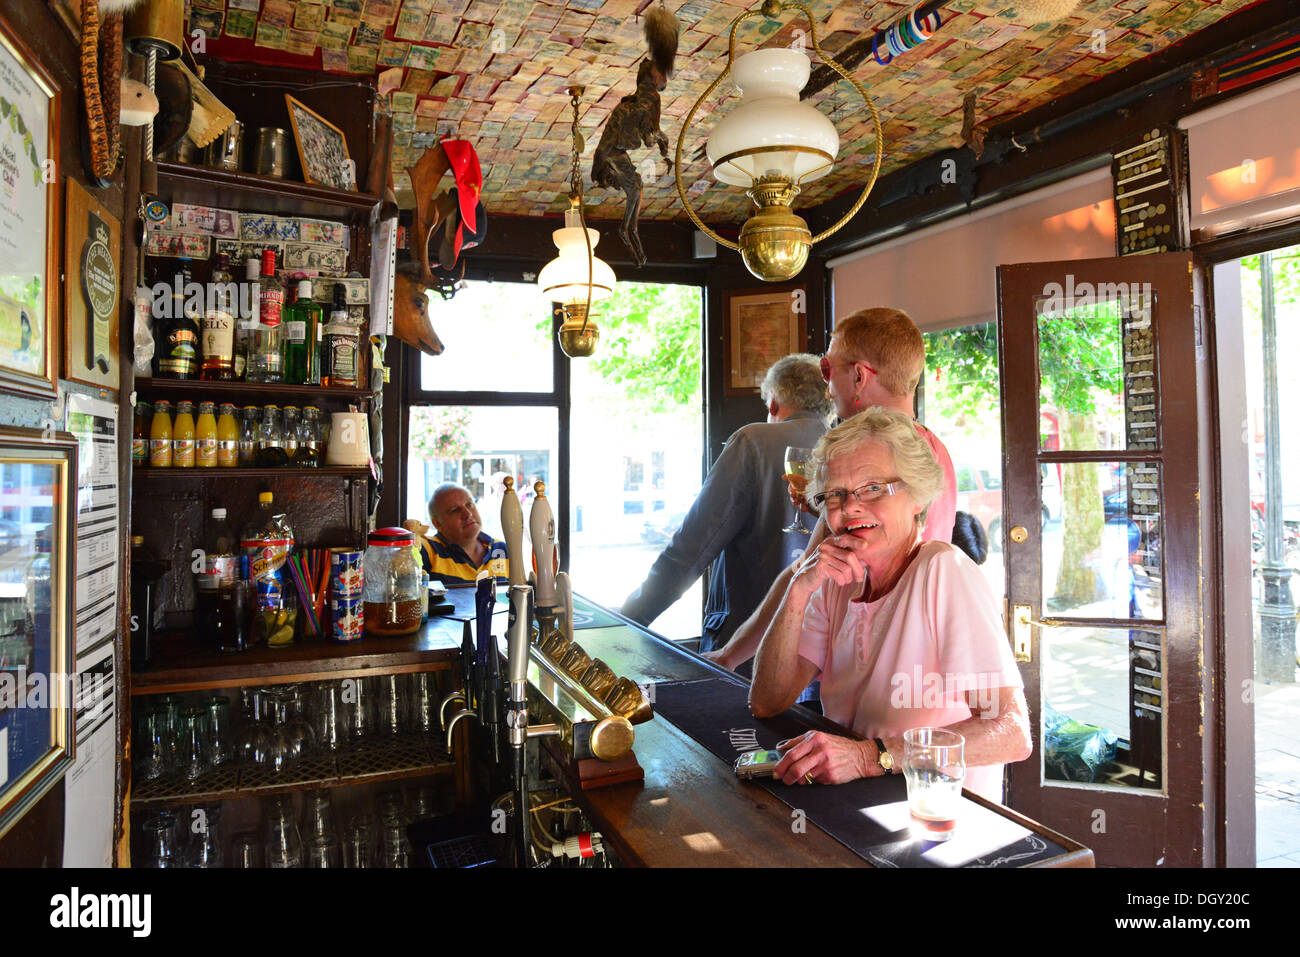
(691, 810)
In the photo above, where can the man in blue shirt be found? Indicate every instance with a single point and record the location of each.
(461, 548)
(736, 523)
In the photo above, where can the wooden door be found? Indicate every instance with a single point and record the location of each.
(1105, 388)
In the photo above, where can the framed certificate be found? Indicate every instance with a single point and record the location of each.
(29, 219)
(762, 326)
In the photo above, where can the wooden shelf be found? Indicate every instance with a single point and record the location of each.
(328, 471)
(373, 760)
(248, 392)
(181, 663)
(225, 189)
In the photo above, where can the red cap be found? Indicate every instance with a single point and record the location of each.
(268, 262)
(391, 537)
(469, 178)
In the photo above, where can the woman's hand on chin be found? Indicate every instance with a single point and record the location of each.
(828, 758)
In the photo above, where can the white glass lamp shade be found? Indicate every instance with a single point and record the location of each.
(566, 277)
(771, 132)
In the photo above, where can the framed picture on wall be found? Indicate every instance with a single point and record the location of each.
(94, 243)
(29, 219)
(38, 472)
(322, 148)
(761, 327)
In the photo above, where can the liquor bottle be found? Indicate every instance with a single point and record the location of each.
(219, 324)
(266, 363)
(160, 436)
(302, 318)
(147, 614)
(140, 435)
(178, 346)
(290, 433)
(205, 437)
(308, 454)
(183, 436)
(227, 437)
(249, 311)
(339, 367)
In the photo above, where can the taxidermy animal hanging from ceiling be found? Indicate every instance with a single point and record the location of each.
(101, 78)
(634, 123)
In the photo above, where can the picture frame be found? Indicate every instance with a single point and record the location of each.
(761, 327)
(322, 148)
(29, 220)
(38, 471)
(92, 294)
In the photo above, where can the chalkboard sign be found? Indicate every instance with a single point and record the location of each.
(322, 148)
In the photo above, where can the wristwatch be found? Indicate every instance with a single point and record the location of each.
(884, 757)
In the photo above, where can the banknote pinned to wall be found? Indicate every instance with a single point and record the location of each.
(356, 291)
(177, 245)
(323, 231)
(287, 229)
(254, 226)
(315, 256)
(240, 251)
(188, 218)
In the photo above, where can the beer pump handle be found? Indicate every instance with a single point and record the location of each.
(564, 592)
(512, 527)
(517, 634)
(541, 526)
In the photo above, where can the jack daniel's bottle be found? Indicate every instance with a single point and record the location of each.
(178, 335)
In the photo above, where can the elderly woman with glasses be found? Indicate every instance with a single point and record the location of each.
(903, 633)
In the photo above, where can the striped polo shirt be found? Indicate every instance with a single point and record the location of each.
(450, 564)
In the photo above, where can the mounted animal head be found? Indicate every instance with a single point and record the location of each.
(411, 322)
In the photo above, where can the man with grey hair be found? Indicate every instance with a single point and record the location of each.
(737, 519)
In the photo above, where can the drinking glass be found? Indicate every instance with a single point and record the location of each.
(157, 746)
(160, 841)
(934, 765)
(324, 851)
(283, 839)
(318, 816)
(359, 843)
(246, 850)
(221, 748)
(795, 461)
(205, 837)
(423, 703)
(329, 718)
(424, 803)
(357, 696)
(254, 741)
(193, 743)
(392, 846)
(391, 700)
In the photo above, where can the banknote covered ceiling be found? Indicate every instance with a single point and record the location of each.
(496, 71)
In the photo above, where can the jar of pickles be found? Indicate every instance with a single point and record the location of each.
(391, 583)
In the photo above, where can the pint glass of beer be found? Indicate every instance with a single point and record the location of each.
(934, 765)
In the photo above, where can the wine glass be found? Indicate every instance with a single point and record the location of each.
(795, 461)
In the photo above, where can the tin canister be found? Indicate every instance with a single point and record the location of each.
(345, 573)
(271, 157)
(227, 150)
(347, 616)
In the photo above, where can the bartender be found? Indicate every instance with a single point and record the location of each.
(461, 548)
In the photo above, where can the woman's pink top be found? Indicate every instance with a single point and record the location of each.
(907, 660)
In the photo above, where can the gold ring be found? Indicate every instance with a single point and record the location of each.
(808, 777)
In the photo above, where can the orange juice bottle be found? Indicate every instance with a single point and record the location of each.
(160, 436)
(183, 436)
(227, 437)
(205, 437)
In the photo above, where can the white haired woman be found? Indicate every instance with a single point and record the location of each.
(902, 633)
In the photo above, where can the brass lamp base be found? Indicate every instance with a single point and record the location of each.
(578, 333)
(774, 242)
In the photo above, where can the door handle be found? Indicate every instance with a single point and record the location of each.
(1022, 632)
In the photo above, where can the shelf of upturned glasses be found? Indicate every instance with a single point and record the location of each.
(370, 761)
(247, 393)
(251, 193)
(182, 663)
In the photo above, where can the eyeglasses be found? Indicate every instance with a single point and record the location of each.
(828, 370)
(864, 494)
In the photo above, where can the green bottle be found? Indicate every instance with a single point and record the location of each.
(302, 318)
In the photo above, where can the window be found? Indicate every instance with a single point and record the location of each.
(633, 412)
